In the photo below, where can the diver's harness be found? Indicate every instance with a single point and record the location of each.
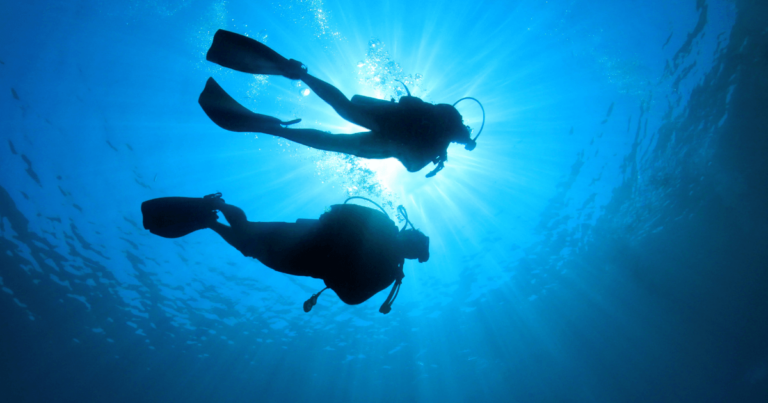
(440, 160)
(386, 307)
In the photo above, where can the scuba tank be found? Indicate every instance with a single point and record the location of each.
(386, 307)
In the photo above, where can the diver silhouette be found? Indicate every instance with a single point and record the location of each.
(411, 130)
(357, 251)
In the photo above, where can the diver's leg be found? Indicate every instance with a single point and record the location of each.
(278, 245)
(339, 102)
(227, 233)
(363, 144)
(235, 216)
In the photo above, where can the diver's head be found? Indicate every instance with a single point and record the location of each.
(414, 245)
(453, 125)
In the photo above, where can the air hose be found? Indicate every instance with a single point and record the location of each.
(481, 108)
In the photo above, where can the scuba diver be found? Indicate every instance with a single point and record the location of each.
(411, 130)
(357, 251)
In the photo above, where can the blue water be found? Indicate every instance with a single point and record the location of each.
(607, 241)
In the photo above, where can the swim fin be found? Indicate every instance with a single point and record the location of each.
(230, 115)
(174, 217)
(248, 55)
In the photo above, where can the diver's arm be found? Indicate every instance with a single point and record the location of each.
(349, 293)
(356, 286)
(414, 159)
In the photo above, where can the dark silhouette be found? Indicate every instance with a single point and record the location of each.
(411, 130)
(357, 251)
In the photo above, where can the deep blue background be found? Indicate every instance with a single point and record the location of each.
(605, 242)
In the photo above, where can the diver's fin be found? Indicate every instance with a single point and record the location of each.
(174, 217)
(248, 55)
(230, 115)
